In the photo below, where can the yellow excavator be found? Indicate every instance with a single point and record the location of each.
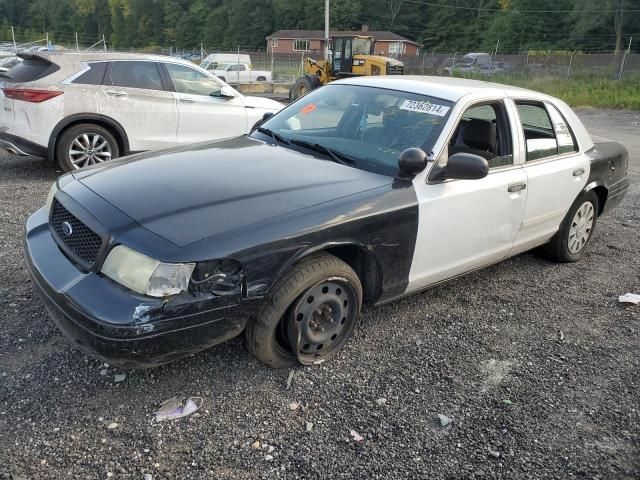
(350, 56)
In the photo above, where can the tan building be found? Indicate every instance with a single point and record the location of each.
(312, 41)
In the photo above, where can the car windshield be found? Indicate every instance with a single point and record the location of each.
(363, 127)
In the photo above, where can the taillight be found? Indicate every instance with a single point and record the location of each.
(29, 95)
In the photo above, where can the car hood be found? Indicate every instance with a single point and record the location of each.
(261, 102)
(196, 192)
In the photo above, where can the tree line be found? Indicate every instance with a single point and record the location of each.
(440, 25)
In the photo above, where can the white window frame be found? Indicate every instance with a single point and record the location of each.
(296, 44)
(274, 43)
(397, 48)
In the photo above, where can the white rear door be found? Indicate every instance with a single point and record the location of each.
(134, 95)
(556, 171)
(204, 114)
(467, 224)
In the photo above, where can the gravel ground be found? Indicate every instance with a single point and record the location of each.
(536, 364)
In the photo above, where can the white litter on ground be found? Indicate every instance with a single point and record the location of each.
(629, 298)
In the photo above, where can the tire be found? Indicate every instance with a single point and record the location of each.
(75, 136)
(304, 85)
(571, 240)
(261, 79)
(318, 302)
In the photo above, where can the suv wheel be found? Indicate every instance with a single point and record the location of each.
(85, 144)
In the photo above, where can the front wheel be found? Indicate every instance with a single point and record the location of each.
(309, 314)
(576, 230)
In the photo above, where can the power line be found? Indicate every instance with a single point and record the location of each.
(490, 9)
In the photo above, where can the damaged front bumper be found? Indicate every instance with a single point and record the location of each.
(118, 326)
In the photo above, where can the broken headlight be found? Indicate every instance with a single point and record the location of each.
(145, 275)
(220, 277)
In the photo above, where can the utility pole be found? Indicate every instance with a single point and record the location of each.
(13, 35)
(326, 30)
(77, 44)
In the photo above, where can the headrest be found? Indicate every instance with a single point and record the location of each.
(480, 134)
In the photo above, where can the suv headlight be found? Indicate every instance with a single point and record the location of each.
(145, 275)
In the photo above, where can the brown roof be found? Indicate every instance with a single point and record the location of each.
(378, 35)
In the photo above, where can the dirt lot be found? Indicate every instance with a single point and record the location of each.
(536, 363)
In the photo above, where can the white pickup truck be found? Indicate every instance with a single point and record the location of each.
(240, 73)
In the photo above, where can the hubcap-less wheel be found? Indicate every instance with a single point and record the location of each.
(581, 227)
(89, 149)
(319, 322)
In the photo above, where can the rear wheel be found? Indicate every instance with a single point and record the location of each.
(576, 230)
(261, 79)
(85, 144)
(309, 315)
(304, 85)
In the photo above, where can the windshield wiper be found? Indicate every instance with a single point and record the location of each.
(277, 138)
(335, 156)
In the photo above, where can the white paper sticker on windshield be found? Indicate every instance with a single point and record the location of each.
(424, 107)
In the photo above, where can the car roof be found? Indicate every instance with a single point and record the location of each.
(67, 56)
(447, 88)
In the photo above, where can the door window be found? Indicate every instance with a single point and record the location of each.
(134, 75)
(564, 135)
(188, 80)
(484, 131)
(94, 75)
(538, 130)
(237, 68)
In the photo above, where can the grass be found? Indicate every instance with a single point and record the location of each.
(580, 91)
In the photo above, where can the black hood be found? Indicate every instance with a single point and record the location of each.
(189, 194)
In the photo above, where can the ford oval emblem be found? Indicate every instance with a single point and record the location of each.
(67, 229)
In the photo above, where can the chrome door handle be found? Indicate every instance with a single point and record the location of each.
(578, 171)
(516, 187)
(116, 93)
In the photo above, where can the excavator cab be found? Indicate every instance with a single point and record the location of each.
(343, 50)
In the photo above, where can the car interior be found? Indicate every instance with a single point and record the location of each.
(484, 131)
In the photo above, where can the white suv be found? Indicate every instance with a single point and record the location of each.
(86, 108)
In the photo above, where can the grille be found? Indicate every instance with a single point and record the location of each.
(83, 241)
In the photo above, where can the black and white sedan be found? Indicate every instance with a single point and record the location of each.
(365, 190)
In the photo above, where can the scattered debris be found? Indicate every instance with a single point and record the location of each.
(629, 298)
(294, 406)
(444, 420)
(309, 426)
(256, 445)
(418, 342)
(290, 378)
(494, 453)
(147, 476)
(268, 458)
(112, 426)
(381, 401)
(561, 335)
(356, 436)
(506, 401)
(119, 377)
(177, 407)
(104, 371)
(270, 449)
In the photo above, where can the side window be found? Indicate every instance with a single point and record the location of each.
(134, 75)
(484, 131)
(538, 130)
(188, 80)
(564, 135)
(93, 76)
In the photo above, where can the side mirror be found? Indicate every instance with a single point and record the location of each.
(412, 161)
(464, 166)
(265, 117)
(227, 92)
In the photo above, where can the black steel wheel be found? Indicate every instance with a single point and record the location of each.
(309, 314)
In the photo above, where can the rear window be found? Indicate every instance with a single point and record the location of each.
(134, 74)
(94, 75)
(30, 69)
